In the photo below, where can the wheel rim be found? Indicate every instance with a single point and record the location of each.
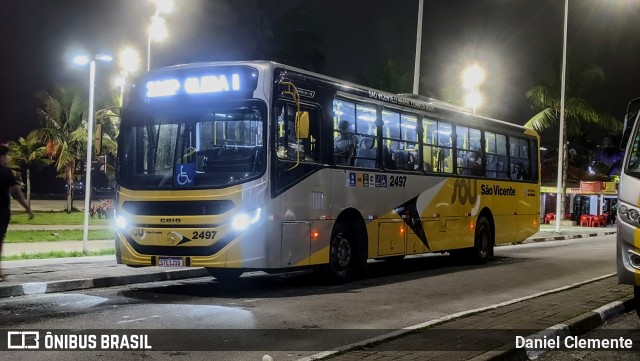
(342, 252)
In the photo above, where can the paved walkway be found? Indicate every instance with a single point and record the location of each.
(491, 334)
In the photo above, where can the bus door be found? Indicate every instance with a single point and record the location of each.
(524, 160)
(303, 198)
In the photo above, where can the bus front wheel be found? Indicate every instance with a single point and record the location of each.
(342, 255)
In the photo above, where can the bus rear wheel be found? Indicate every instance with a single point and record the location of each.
(342, 255)
(482, 249)
(224, 274)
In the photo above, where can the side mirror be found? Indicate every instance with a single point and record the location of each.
(302, 120)
(97, 140)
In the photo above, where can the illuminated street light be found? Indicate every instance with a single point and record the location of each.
(472, 77)
(473, 100)
(129, 60)
(84, 60)
(129, 63)
(157, 28)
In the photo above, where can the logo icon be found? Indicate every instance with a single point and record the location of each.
(173, 237)
(20, 340)
(185, 175)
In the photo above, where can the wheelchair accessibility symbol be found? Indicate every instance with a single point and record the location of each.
(185, 175)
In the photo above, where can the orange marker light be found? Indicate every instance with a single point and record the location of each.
(315, 235)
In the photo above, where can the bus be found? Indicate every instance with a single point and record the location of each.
(244, 166)
(628, 213)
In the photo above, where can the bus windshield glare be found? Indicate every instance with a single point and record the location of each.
(199, 148)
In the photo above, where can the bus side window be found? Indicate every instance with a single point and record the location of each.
(288, 146)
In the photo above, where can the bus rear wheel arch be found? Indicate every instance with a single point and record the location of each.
(483, 243)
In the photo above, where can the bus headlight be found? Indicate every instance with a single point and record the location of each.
(121, 222)
(244, 219)
(629, 214)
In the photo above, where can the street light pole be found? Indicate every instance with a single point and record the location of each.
(561, 141)
(416, 69)
(83, 60)
(87, 185)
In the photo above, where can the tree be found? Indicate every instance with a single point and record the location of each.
(64, 131)
(28, 153)
(579, 114)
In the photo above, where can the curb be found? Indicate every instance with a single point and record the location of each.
(569, 236)
(574, 327)
(36, 288)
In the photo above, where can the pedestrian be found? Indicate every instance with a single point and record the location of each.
(8, 185)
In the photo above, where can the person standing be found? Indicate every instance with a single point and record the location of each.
(8, 185)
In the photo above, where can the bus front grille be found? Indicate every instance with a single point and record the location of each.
(177, 208)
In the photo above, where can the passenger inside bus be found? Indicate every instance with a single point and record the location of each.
(344, 144)
(520, 172)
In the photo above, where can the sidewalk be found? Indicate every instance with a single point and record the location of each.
(490, 334)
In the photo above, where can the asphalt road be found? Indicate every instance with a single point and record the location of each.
(422, 289)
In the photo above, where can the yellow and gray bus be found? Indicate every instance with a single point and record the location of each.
(241, 166)
(628, 215)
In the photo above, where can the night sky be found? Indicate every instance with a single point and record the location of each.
(514, 40)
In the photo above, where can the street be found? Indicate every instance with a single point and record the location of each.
(423, 289)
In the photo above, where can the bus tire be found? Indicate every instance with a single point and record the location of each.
(482, 249)
(636, 295)
(224, 274)
(342, 255)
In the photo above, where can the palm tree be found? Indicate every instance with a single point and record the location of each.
(64, 131)
(28, 153)
(578, 111)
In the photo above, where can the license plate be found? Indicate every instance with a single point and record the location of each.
(170, 262)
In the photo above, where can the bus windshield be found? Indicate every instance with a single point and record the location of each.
(633, 165)
(199, 147)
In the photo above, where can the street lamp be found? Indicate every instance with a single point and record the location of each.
(473, 100)
(157, 27)
(561, 145)
(129, 63)
(91, 60)
(472, 77)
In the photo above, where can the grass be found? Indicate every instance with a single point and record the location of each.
(53, 236)
(58, 254)
(63, 218)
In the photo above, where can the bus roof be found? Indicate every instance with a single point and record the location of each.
(270, 65)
